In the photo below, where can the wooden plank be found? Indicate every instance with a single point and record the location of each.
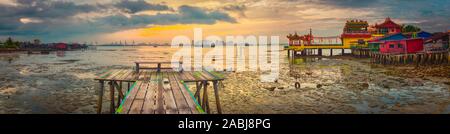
(189, 99)
(142, 91)
(188, 76)
(159, 99)
(197, 76)
(142, 75)
(137, 106)
(131, 76)
(170, 105)
(138, 102)
(120, 73)
(182, 105)
(150, 98)
(114, 73)
(130, 97)
(125, 75)
(207, 76)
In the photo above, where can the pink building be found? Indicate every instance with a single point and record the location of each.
(402, 46)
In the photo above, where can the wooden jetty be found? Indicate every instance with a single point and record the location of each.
(158, 91)
(423, 58)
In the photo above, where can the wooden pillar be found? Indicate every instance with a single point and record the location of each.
(198, 85)
(216, 93)
(342, 52)
(137, 67)
(111, 92)
(120, 94)
(331, 52)
(205, 97)
(100, 97)
(289, 53)
(159, 68)
(319, 51)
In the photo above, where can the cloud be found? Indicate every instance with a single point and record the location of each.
(140, 5)
(184, 15)
(54, 20)
(240, 9)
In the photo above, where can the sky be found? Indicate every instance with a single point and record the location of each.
(158, 21)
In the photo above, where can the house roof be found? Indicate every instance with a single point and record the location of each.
(388, 23)
(421, 34)
(437, 36)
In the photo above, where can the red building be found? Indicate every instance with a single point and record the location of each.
(61, 46)
(388, 27)
(402, 46)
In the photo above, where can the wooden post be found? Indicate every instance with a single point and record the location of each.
(331, 52)
(137, 67)
(100, 98)
(319, 52)
(198, 85)
(216, 93)
(120, 95)
(205, 97)
(111, 90)
(159, 68)
(289, 53)
(342, 52)
(128, 89)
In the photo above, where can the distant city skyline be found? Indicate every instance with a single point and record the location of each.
(158, 21)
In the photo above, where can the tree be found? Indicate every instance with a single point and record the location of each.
(410, 28)
(10, 43)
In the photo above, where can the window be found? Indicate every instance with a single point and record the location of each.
(391, 46)
(400, 46)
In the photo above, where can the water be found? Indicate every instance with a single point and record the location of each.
(62, 82)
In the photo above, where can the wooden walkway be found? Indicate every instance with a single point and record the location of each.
(158, 92)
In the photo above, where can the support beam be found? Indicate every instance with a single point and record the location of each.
(100, 97)
(111, 92)
(216, 93)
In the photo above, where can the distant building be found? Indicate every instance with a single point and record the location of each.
(61, 46)
(36, 42)
(437, 42)
(388, 27)
(355, 34)
(402, 46)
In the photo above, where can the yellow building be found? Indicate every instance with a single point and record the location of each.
(355, 34)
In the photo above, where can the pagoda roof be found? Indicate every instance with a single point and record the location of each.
(388, 23)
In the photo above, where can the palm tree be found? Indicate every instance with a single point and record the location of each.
(410, 29)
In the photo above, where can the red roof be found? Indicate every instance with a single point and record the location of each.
(388, 23)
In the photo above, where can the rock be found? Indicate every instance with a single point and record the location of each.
(271, 88)
(319, 85)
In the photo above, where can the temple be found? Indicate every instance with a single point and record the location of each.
(355, 34)
(388, 27)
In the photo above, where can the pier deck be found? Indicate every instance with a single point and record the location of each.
(158, 92)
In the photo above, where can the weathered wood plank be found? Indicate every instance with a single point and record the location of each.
(138, 102)
(121, 72)
(159, 99)
(188, 96)
(150, 98)
(182, 105)
(137, 106)
(169, 102)
(114, 73)
(130, 97)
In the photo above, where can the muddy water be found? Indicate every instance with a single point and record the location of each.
(62, 82)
